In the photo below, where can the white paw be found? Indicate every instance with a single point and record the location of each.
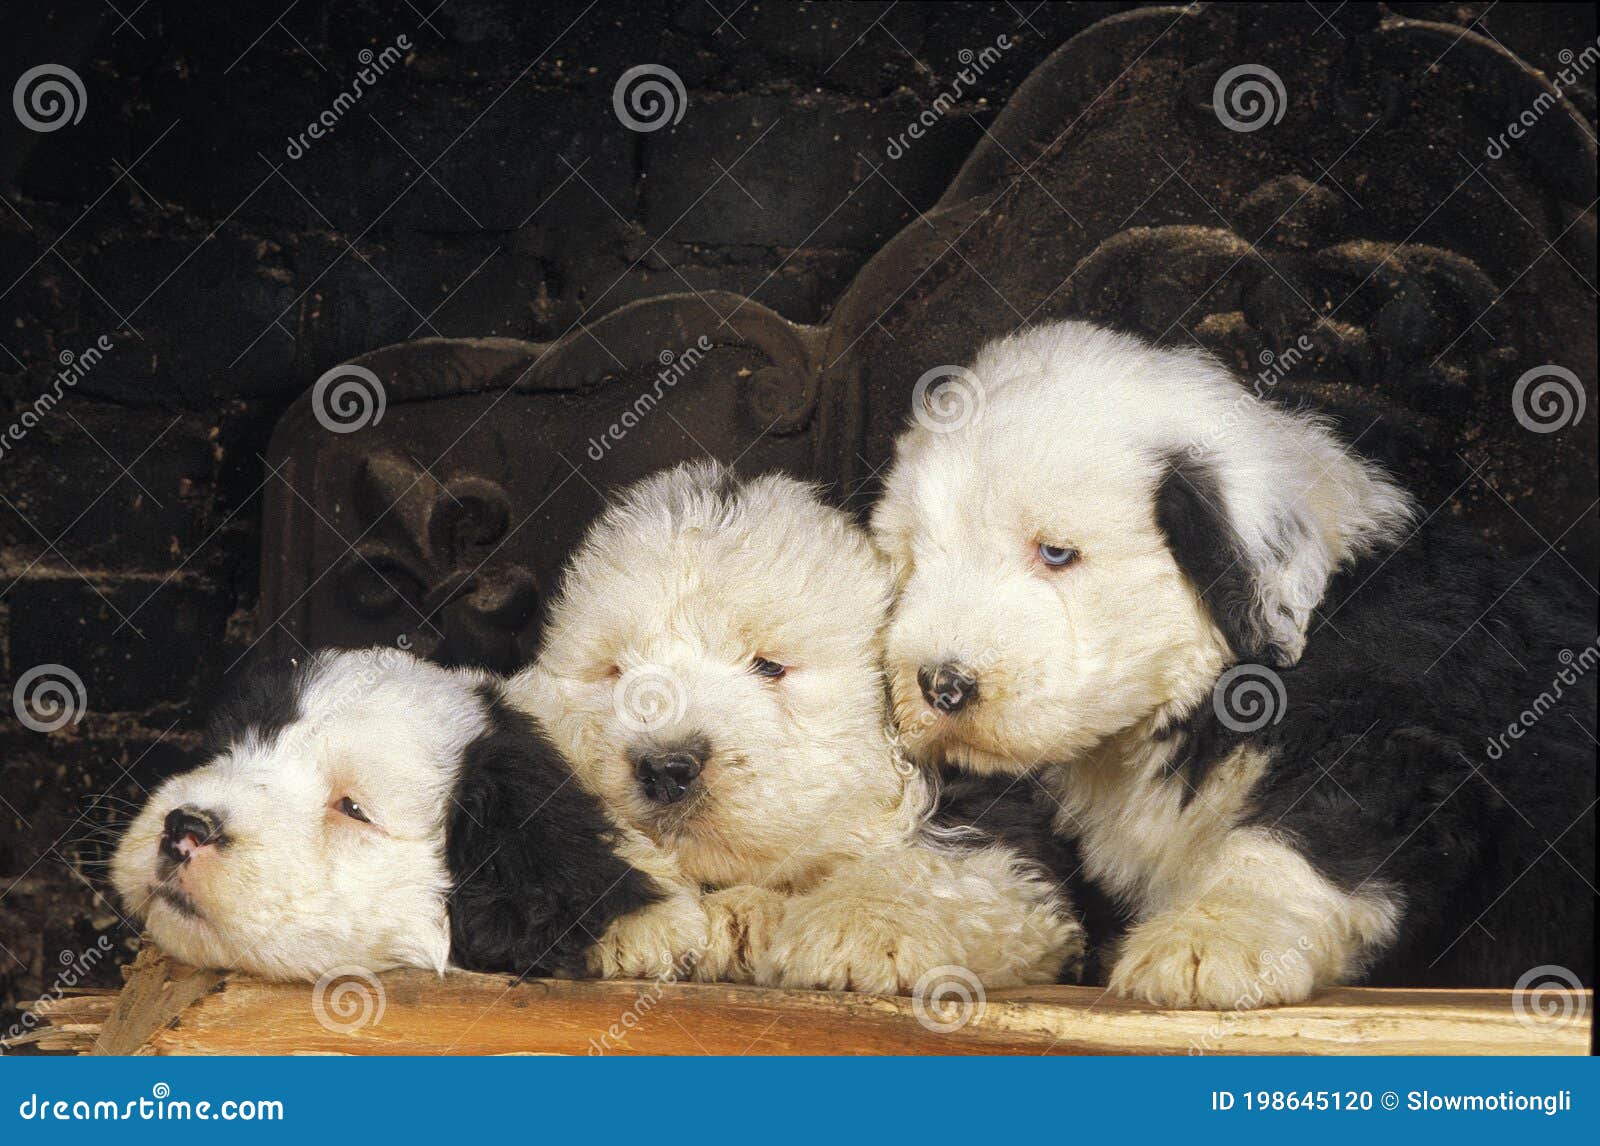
(744, 920)
(1194, 961)
(663, 940)
(838, 945)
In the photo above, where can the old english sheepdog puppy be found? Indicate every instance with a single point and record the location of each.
(713, 671)
(371, 809)
(1300, 730)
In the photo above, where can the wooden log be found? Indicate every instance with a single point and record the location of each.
(157, 991)
(69, 1023)
(168, 1009)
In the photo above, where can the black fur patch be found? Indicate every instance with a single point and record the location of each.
(1191, 515)
(536, 878)
(261, 701)
(1391, 768)
(1203, 742)
(1013, 811)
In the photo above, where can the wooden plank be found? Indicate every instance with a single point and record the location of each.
(484, 1014)
(166, 1008)
(69, 1024)
(156, 993)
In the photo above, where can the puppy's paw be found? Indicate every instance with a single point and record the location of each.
(825, 944)
(744, 920)
(1190, 960)
(662, 941)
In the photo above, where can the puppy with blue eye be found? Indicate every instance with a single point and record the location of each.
(712, 670)
(372, 809)
(1286, 715)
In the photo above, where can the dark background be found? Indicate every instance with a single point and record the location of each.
(228, 276)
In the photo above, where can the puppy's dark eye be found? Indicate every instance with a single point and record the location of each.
(1057, 556)
(761, 666)
(352, 809)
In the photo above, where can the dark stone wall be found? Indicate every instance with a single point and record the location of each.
(481, 186)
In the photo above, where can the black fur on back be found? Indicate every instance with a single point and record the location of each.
(1391, 769)
(1016, 812)
(535, 875)
(261, 700)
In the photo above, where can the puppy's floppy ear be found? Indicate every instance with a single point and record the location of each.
(535, 878)
(1263, 515)
(1190, 513)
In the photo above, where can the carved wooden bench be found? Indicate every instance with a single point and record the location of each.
(1316, 254)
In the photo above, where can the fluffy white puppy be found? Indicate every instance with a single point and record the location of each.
(1106, 552)
(713, 671)
(374, 810)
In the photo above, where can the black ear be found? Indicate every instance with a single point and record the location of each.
(535, 876)
(1190, 512)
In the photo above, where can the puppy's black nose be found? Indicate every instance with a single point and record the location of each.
(186, 829)
(949, 687)
(666, 777)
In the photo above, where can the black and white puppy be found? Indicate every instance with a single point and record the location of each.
(1303, 733)
(372, 809)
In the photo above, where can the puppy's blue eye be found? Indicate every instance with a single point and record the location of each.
(1057, 556)
(352, 809)
(763, 667)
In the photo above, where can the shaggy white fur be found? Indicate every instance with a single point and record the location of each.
(739, 625)
(1026, 545)
(297, 886)
(331, 835)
